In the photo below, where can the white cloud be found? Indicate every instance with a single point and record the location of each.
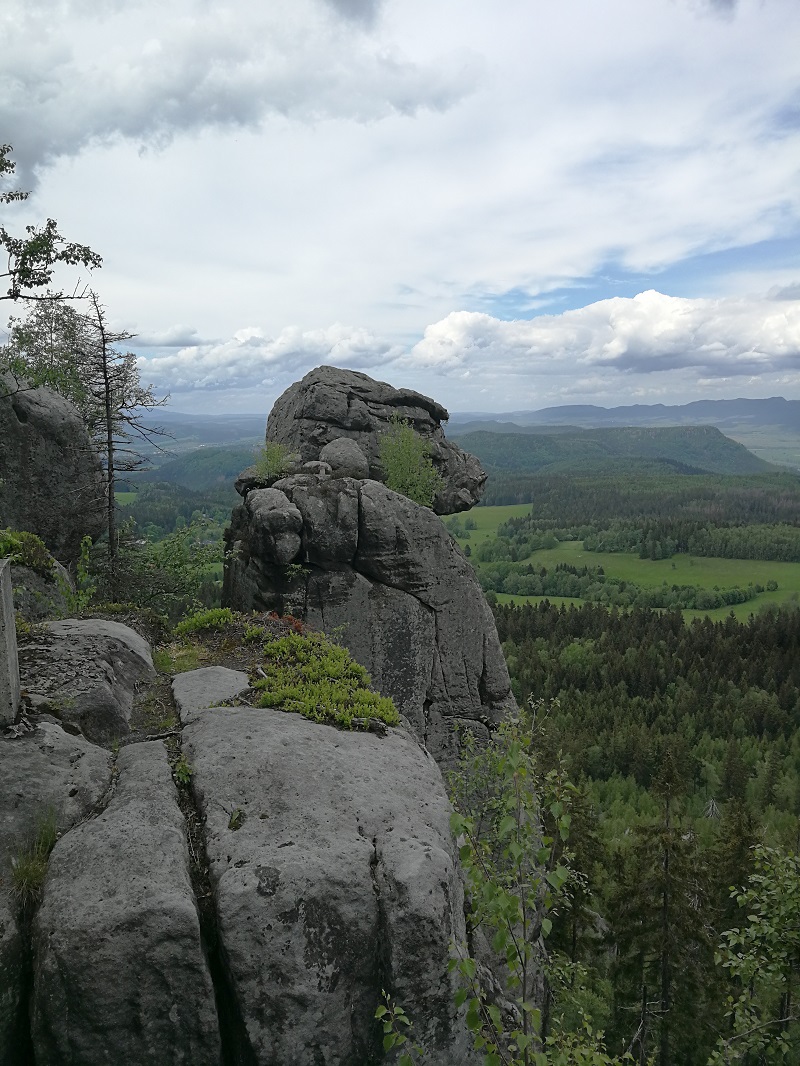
(252, 360)
(647, 334)
(386, 162)
(83, 74)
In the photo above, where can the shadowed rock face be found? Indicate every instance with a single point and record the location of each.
(329, 404)
(51, 482)
(382, 575)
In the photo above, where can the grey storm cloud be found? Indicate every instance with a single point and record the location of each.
(364, 11)
(70, 77)
(785, 292)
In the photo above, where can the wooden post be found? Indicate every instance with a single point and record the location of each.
(9, 666)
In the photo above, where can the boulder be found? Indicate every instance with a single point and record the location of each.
(52, 483)
(335, 876)
(120, 973)
(86, 672)
(345, 458)
(276, 524)
(332, 406)
(44, 773)
(385, 576)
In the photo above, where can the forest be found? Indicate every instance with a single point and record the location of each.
(681, 734)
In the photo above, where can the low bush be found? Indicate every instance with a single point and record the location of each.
(213, 618)
(311, 676)
(26, 549)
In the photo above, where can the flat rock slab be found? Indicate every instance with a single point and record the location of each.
(44, 771)
(196, 690)
(87, 672)
(119, 969)
(335, 876)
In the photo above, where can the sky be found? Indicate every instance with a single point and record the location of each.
(506, 205)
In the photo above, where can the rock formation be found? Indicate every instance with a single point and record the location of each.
(51, 482)
(350, 556)
(86, 672)
(316, 415)
(253, 916)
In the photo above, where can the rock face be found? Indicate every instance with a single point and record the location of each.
(93, 668)
(315, 416)
(335, 876)
(120, 974)
(255, 919)
(383, 574)
(51, 482)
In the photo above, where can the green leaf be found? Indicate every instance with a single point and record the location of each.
(500, 939)
(507, 826)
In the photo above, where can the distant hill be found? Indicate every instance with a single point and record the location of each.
(687, 448)
(203, 468)
(775, 411)
(769, 428)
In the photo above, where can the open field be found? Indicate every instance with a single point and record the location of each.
(679, 570)
(125, 497)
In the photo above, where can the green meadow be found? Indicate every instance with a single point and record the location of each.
(679, 570)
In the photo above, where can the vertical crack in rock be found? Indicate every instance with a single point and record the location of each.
(383, 948)
(236, 1047)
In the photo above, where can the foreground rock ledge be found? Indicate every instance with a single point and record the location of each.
(335, 876)
(120, 975)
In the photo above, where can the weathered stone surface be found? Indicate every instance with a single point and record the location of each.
(330, 405)
(197, 689)
(329, 512)
(345, 457)
(398, 592)
(52, 482)
(9, 665)
(276, 524)
(119, 969)
(86, 671)
(335, 876)
(44, 771)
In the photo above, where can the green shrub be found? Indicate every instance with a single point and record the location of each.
(26, 549)
(214, 618)
(311, 676)
(407, 465)
(183, 770)
(273, 460)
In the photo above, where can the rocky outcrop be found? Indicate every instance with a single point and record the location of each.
(354, 558)
(86, 672)
(316, 415)
(252, 917)
(51, 482)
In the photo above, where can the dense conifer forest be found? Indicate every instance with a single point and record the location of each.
(683, 737)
